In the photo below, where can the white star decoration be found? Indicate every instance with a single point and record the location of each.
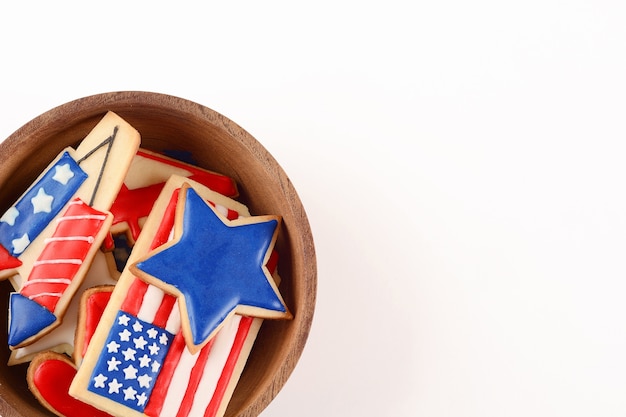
(129, 354)
(63, 174)
(125, 335)
(42, 202)
(144, 361)
(113, 346)
(152, 333)
(123, 320)
(144, 381)
(99, 381)
(155, 366)
(141, 399)
(113, 364)
(129, 393)
(130, 372)
(140, 343)
(20, 245)
(10, 216)
(114, 386)
(154, 349)
(137, 327)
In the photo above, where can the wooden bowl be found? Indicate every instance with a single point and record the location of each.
(216, 143)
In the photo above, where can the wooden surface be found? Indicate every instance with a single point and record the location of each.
(217, 143)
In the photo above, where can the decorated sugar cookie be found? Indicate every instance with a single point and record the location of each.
(158, 374)
(49, 237)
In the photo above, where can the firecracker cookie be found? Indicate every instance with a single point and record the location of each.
(49, 237)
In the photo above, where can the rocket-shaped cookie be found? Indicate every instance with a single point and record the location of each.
(50, 235)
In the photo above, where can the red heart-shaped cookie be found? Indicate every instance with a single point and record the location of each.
(49, 378)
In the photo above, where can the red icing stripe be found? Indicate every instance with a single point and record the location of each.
(95, 305)
(134, 297)
(227, 372)
(70, 250)
(157, 398)
(47, 274)
(194, 380)
(164, 311)
(163, 233)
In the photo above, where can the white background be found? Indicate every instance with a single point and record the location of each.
(461, 163)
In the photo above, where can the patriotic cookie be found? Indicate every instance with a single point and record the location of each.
(49, 237)
(158, 357)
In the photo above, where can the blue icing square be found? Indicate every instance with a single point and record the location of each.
(23, 222)
(130, 363)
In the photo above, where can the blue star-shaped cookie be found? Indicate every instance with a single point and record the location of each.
(217, 266)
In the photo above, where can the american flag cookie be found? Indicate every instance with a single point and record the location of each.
(50, 236)
(50, 373)
(158, 350)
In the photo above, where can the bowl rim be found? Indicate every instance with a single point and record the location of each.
(100, 103)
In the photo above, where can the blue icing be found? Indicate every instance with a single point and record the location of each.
(216, 267)
(130, 361)
(23, 222)
(121, 252)
(27, 318)
(184, 156)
